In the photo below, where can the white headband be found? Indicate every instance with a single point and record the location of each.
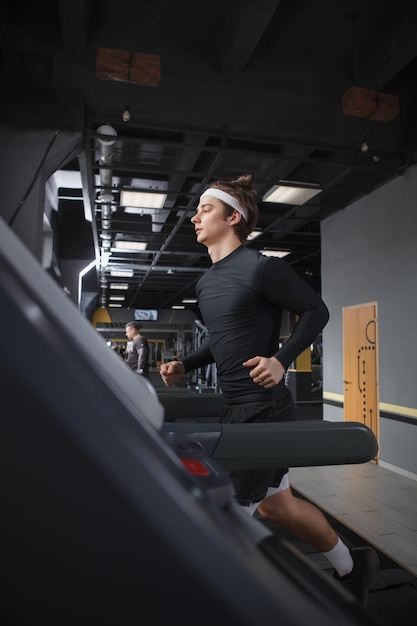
(228, 199)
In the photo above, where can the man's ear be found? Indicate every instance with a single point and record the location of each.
(235, 217)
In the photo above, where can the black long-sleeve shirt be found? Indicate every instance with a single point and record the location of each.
(241, 298)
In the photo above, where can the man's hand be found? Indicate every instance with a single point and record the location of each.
(266, 372)
(171, 372)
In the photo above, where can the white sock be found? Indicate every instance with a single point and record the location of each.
(340, 558)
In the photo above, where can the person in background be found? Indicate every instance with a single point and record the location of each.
(241, 299)
(137, 349)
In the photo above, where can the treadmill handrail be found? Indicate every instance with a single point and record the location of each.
(283, 444)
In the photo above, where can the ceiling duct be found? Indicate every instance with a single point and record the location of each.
(106, 143)
(105, 158)
(106, 216)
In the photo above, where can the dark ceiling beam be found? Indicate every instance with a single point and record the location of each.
(242, 33)
(74, 19)
(188, 162)
(401, 51)
(138, 267)
(395, 65)
(294, 218)
(339, 156)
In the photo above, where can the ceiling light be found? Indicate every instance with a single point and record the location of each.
(126, 114)
(114, 304)
(189, 300)
(123, 244)
(127, 273)
(178, 306)
(136, 210)
(142, 199)
(291, 194)
(254, 234)
(117, 298)
(279, 253)
(119, 286)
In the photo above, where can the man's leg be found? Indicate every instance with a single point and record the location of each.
(301, 518)
(354, 567)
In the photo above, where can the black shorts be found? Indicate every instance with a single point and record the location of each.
(252, 485)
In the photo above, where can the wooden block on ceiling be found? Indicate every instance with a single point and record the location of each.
(372, 105)
(129, 67)
(146, 69)
(112, 64)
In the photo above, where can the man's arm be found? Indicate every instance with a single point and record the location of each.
(143, 353)
(199, 358)
(292, 293)
(173, 371)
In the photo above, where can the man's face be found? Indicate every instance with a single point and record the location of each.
(129, 332)
(209, 221)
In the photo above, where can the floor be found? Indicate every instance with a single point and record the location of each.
(377, 504)
(367, 505)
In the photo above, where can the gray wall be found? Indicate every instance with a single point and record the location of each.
(369, 253)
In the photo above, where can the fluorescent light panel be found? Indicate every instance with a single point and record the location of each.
(142, 199)
(290, 194)
(254, 234)
(279, 253)
(119, 286)
(136, 210)
(122, 244)
(122, 273)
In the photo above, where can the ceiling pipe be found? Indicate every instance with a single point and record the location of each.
(106, 143)
(106, 216)
(105, 156)
(105, 198)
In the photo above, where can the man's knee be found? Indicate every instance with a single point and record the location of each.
(278, 506)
